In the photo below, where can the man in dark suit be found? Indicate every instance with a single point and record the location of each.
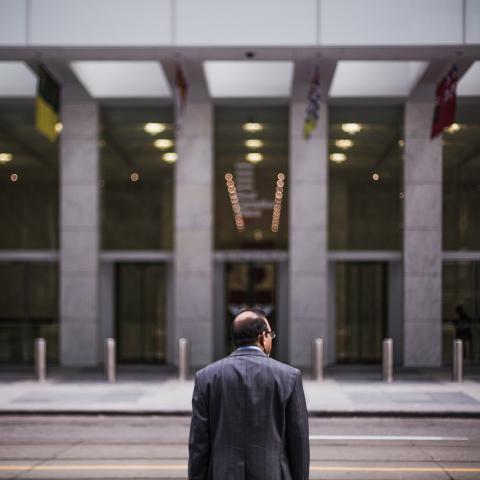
(249, 417)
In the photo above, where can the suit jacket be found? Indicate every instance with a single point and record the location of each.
(249, 421)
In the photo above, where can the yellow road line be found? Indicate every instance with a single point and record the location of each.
(184, 467)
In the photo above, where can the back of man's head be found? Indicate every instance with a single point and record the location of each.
(247, 326)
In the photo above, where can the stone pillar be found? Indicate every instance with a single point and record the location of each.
(308, 234)
(422, 237)
(193, 270)
(79, 231)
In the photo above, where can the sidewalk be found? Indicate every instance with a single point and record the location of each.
(155, 390)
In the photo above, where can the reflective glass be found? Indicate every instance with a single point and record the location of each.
(365, 177)
(141, 312)
(251, 178)
(28, 180)
(28, 310)
(461, 180)
(461, 310)
(136, 182)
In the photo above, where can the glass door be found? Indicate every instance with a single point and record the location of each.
(141, 311)
(361, 311)
(249, 285)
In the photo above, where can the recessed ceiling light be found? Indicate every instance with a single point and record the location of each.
(163, 143)
(154, 128)
(344, 143)
(170, 157)
(58, 127)
(252, 127)
(258, 234)
(254, 157)
(401, 143)
(253, 143)
(351, 128)
(453, 128)
(338, 157)
(134, 177)
(376, 177)
(5, 157)
(13, 177)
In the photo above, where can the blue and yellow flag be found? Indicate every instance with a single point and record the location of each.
(47, 104)
(313, 105)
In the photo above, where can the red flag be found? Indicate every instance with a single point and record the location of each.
(181, 90)
(445, 102)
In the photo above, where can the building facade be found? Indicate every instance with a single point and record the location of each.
(147, 225)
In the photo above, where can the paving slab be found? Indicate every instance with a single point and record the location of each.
(343, 392)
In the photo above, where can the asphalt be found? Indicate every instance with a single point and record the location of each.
(141, 390)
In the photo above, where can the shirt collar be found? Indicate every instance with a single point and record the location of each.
(250, 347)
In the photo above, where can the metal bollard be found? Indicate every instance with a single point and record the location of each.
(41, 359)
(457, 374)
(387, 363)
(110, 364)
(317, 359)
(183, 359)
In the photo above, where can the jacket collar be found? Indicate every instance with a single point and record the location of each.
(248, 351)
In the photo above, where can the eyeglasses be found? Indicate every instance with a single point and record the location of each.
(271, 333)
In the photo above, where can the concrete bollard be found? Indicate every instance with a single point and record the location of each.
(183, 359)
(387, 360)
(110, 360)
(41, 359)
(457, 373)
(317, 359)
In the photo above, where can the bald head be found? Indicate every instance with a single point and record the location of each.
(247, 325)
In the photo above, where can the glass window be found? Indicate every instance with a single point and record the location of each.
(365, 177)
(251, 178)
(28, 310)
(461, 180)
(28, 180)
(137, 160)
(461, 310)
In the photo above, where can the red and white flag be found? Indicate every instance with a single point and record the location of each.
(181, 91)
(445, 102)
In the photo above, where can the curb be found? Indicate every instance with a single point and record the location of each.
(184, 413)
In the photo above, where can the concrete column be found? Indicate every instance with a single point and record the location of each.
(422, 238)
(308, 272)
(79, 231)
(193, 269)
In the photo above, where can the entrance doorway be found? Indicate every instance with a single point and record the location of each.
(250, 285)
(140, 312)
(361, 311)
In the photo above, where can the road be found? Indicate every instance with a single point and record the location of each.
(99, 447)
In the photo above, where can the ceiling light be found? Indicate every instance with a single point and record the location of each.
(344, 143)
(252, 127)
(401, 143)
(251, 143)
(163, 143)
(134, 177)
(59, 127)
(154, 128)
(338, 157)
(170, 157)
(13, 177)
(258, 235)
(281, 176)
(376, 177)
(453, 128)
(351, 128)
(254, 157)
(5, 157)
